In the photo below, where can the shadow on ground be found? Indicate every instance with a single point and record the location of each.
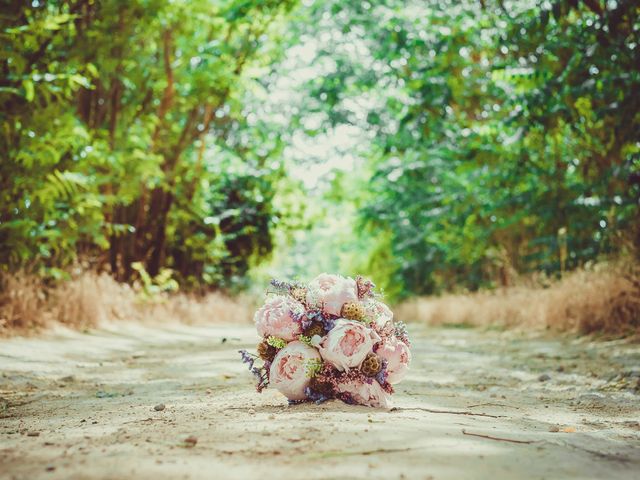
(477, 404)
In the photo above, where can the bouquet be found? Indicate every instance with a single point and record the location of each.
(331, 338)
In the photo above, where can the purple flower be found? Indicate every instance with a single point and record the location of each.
(247, 358)
(381, 377)
(261, 373)
(283, 287)
(302, 318)
(314, 396)
(328, 324)
(306, 319)
(262, 376)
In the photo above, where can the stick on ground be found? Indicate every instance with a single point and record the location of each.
(451, 412)
(511, 440)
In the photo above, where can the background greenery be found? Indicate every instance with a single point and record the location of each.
(471, 141)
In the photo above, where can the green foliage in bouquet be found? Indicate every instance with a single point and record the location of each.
(313, 368)
(276, 342)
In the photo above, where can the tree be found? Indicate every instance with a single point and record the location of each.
(111, 112)
(504, 135)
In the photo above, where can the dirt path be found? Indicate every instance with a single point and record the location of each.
(476, 405)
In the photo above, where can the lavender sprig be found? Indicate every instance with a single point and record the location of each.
(314, 396)
(306, 319)
(382, 375)
(302, 318)
(261, 373)
(248, 358)
(328, 324)
(262, 376)
(283, 287)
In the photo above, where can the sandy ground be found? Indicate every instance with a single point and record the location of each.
(477, 404)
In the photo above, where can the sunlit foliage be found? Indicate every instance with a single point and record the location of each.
(124, 139)
(498, 137)
(504, 136)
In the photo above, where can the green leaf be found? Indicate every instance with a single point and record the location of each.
(29, 91)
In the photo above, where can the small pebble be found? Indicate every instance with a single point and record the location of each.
(191, 441)
(544, 377)
(208, 391)
(50, 468)
(33, 434)
(159, 407)
(554, 428)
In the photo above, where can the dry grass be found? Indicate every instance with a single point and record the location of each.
(605, 300)
(91, 299)
(21, 300)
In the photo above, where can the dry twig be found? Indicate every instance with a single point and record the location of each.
(464, 432)
(451, 412)
(493, 405)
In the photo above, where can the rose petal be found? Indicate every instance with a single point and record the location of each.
(398, 357)
(347, 344)
(331, 292)
(289, 369)
(369, 394)
(275, 318)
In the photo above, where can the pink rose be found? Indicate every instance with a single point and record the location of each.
(347, 344)
(289, 370)
(331, 292)
(398, 357)
(275, 318)
(378, 312)
(369, 394)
